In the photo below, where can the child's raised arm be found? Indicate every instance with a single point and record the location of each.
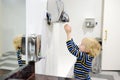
(72, 47)
(68, 31)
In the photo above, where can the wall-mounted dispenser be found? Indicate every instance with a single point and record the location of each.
(90, 23)
(55, 12)
(34, 47)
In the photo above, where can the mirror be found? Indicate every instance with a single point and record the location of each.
(12, 24)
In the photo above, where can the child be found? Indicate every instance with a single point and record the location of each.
(88, 49)
(17, 42)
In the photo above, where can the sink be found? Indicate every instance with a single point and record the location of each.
(25, 72)
(4, 71)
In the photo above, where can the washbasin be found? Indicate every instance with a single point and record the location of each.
(4, 71)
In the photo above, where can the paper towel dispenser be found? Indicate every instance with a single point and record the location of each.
(90, 23)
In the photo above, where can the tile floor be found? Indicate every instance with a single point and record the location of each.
(106, 75)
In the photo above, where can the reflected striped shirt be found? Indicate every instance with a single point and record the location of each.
(19, 58)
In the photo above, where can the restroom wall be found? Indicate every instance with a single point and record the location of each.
(13, 22)
(35, 22)
(57, 60)
(0, 25)
(35, 12)
(77, 10)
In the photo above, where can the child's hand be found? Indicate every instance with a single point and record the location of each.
(67, 29)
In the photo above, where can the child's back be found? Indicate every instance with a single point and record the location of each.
(88, 49)
(84, 61)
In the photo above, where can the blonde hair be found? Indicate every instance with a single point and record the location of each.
(17, 42)
(92, 46)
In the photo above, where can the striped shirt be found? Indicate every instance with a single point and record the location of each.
(19, 58)
(83, 64)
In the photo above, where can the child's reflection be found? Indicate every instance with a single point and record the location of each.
(18, 46)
